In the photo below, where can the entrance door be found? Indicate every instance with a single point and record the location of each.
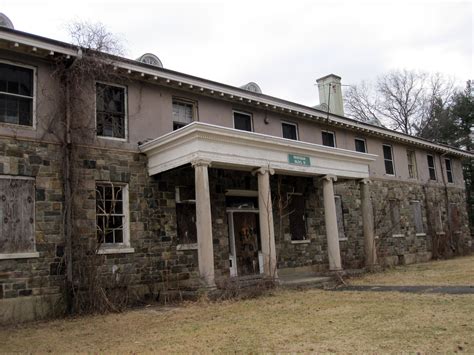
(245, 237)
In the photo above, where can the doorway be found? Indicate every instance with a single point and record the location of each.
(245, 256)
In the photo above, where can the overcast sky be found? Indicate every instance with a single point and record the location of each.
(281, 45)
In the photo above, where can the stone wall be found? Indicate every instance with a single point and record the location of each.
(41, 277)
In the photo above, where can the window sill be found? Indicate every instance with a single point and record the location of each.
(420, 234)
(304, 241)
(19, 256)
(115, 250)
(192, 246)
(343, 239)
(398, 235)
(113, 138)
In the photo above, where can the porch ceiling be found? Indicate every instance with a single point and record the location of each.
(229, 148)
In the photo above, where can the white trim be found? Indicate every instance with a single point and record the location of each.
(16, 177)
(392, 160)
(28, 255)
(125, 119)
(365, 144)
(290, 124)
(420, 234)
(103, 250)
(304, 241)
(34, 97)
(242, 113)
(434, 167)
(125, 245)
(333, 138)
(398, 235)
(236, 149)
(189, 246)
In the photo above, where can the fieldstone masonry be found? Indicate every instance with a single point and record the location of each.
(157, 262)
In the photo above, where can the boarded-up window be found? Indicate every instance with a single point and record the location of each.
(297, 216)
(454, 217)
(395, 216)
(17, 215)
(340, 217)
(417, 216)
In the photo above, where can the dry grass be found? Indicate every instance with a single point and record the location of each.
(459, 271)
(287, 321)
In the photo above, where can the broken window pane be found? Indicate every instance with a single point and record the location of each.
(110, 213)
(110, 106)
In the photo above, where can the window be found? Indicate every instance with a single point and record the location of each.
(449, 171)
(329, 139)
(395, 217)
(242, 121)
(340, 217)
(110, 111)
(17, 215)
(388, 159)
(360, 145)
(417, 216)
(16, 94)
(290, 130)
(186, 215)
(112, 213)
(412, 173)
(296, 210)
(183, 113)
(431, 167)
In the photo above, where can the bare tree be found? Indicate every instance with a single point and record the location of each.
(403, 100)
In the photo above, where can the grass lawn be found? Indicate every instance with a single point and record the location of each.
(459, 271)
(287, 320)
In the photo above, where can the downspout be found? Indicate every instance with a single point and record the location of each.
(68, 188)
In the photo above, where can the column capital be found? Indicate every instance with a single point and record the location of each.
(263, 170)
(365, 181)
(200, 162)
(329, 177)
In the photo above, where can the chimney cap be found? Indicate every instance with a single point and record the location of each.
(328, 76)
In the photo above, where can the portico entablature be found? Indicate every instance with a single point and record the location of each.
(234, 149)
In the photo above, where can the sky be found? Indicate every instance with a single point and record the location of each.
(283, 46)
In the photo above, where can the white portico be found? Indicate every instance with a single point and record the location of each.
(204, 145)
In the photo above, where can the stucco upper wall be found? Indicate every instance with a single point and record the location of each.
(47, 109)
(149, 113)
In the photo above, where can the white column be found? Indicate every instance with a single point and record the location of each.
(368, 224)
(267, 234)
(330, 218)
(204, 222)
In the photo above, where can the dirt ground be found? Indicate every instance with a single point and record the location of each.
(289, 321)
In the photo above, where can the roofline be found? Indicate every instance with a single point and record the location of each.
(285, 106)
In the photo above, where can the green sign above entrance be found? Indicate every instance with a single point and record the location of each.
(298, 160)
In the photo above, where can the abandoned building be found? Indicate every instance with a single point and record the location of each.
(187, 182)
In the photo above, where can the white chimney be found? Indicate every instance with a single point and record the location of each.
(330, 94)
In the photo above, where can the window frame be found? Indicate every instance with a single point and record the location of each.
(431, 168)
(333, 136)
(415, 165)
(449, 172)
(290, 124)
(242, 113)
(28, 254)
(365, 145)
(125, 109)
(305, 234)
(124, 246)
(392, 159)
(34, 97)
(185, 101)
